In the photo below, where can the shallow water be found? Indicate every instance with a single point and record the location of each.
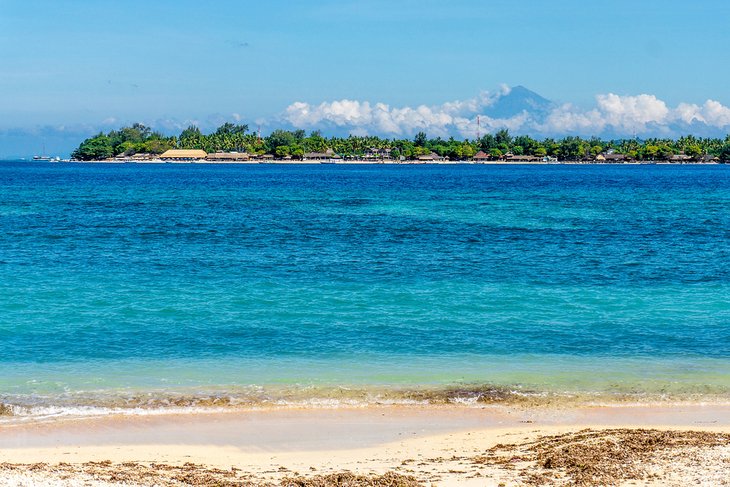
(121, 283)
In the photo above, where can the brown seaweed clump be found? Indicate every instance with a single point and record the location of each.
(583, 458)
(609, 457)
(5, 410)
(349, 479)
(482, 394)
(190, 474)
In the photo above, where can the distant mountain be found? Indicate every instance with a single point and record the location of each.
(519, 99)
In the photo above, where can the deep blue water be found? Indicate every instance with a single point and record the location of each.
(149, 277)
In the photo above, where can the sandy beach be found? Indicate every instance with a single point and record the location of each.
(494, 445)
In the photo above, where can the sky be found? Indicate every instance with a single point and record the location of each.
(72, 68)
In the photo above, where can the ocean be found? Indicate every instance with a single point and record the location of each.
(145, 288)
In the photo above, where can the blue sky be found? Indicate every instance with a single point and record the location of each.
(71, 67)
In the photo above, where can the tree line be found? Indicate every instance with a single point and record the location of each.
(230, 137)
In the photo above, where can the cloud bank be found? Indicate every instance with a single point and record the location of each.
(612, 115)
(517, 109)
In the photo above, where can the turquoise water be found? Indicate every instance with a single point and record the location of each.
(129, 285)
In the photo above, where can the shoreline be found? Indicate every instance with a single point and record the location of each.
(27, 409)
(408, 163)
(431, 443)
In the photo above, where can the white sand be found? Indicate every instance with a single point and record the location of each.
(274, 443)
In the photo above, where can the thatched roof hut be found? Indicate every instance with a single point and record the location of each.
(183, 155)
(614, 157)
(481, 156)
(319, 156)
(522, 158)
(431, 157)
(228, 156)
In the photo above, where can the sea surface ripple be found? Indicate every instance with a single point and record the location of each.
(147, 280)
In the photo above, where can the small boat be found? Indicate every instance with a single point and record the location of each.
(45, 158)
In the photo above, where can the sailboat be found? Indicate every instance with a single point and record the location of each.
(43, 158)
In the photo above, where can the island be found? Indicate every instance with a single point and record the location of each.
(234, 143)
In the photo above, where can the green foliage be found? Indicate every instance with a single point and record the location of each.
(420, 139)
(664, 152)
(229, 137)
(280, 138)
(572, 149)
(487, 143)
(297, 152)
(724, 153)
(231, 129)
(191, 138)
(693, 150)
(127, 148)
(94, 149)
(502, 137)
(468, 150)
(315, 143)
(283, 151)
(650, 152)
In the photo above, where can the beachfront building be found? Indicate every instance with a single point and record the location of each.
(432, 157)
(522, 158)
(679, 158)
(143, 156)
(229, 157)
(614, 157)
(481, 156)
(329, 154)
(184, 155)
(374, 153)
(314, 156)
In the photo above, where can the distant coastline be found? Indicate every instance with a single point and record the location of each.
(235, 144)
(391, 162)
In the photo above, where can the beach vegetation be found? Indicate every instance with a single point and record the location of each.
(95, 148)
(420, 139)
(724, 154)
(230, 137)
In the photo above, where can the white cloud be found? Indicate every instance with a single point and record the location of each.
(341, 112)
(631, 112)
(615, 114)
(642, 114)
(610, 115)
(380, 118)
(172, 125)
(711, 113)
(568, 119)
